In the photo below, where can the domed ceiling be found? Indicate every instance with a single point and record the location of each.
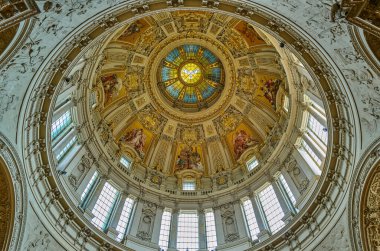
(190, 94)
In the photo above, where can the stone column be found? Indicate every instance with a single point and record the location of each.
(260, 219)
(136, 218)
(115, 217)
(288, 214)
(219, 226)
(240, 220)
(173, 231)
(157, 225)
(202, 230)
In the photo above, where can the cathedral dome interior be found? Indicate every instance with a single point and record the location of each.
(188, 125)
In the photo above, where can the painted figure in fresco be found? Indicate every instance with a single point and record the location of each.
(241, 142)
(270, 89)
(132, 29)
(111, 86)
(189, 158)
(135, 138)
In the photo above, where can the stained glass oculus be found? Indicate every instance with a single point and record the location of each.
(191, 77)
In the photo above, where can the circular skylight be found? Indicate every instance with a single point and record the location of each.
(191, 77)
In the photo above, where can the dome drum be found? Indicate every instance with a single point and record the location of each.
(138, 145)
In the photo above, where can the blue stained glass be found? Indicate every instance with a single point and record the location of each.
(192, 74)
(208, 92)
(209, 56)
(173, 91)
(172, 55)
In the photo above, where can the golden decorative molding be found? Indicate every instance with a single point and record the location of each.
(14, 12)
(364, 14)
(370, 211)
(7, 206)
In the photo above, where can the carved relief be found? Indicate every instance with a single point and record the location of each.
(147, 221)
(229, 223)
(79, 172)
(297, 174)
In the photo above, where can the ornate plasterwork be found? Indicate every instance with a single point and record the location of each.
(36, 154)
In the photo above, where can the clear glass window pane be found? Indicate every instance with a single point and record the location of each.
(187, 237)
(251, 218)
(60, 124)
(317, 129)
(67, 147)
(272, 209)
(252, 164)
(103, 206)
(210, 230)
(311, 153)
(89, 186)
(188, 185)
(124, 218)
(165, 229)
(287, 189)
(286, 103)
(125, 162)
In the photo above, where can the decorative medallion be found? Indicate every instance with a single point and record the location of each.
(191, 77)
